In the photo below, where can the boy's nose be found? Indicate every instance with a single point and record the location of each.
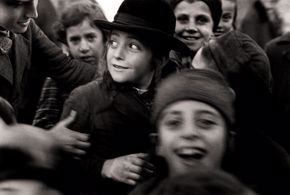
(31, 11)
(84, 47)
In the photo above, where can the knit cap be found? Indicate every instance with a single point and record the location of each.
(202, 85)
(215, 7)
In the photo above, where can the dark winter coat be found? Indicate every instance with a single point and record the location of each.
(278, 51)
(118, 122)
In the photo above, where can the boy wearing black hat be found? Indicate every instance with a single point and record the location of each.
(116, 110)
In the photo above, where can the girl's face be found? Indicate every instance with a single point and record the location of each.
(85, 42)
(191, 134)
(194, 23)
(227, 19)
(129, 60)
(15, 15)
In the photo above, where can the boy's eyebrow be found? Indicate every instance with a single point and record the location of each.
(133, 37)
(171, 113)
(207, 112)
(114, 34)
(129, 36)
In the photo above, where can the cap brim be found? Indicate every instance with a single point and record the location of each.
(170, 41)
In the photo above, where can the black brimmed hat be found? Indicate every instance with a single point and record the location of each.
(153, 19)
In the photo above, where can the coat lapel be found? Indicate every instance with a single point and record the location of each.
(6, 70)
(22, 57)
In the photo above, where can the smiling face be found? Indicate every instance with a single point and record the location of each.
(129, 60)
(85, 42)
(226, 23)
(194, 23)
(191, 134)
(15, 15)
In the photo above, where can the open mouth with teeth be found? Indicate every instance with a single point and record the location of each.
(191, 155)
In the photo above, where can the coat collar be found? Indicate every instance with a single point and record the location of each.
(126, 100)
(285, 40)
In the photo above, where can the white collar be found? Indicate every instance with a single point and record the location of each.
(140, 91)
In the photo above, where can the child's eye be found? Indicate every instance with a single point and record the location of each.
(134, 46)
(91, 38)
(113, 44)
(205, 123)
(202, 20)
(226, 17)
(75, 40)
(182, 18)
(173, 123)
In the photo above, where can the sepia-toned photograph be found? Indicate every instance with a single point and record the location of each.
(144, 97)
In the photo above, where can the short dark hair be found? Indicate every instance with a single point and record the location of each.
(75, 14)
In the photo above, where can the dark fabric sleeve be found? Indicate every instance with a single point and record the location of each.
(49, 106)
(78, 101)
(68, 73)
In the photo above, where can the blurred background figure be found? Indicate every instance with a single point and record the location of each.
(262, 22)
(228, 18)
(19, 175)
(278, 51)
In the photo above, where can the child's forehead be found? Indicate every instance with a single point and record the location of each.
(126, 34)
